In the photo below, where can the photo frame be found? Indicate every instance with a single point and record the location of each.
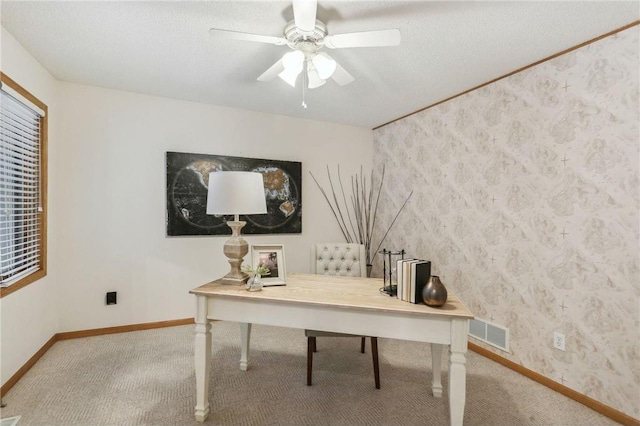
(272, 255)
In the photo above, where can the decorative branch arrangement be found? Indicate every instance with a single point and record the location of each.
(356, 216)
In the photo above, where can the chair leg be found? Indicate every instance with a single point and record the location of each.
(376, 367)
(362, 344)
(311, 343)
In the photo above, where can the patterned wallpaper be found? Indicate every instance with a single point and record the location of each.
(527, 202)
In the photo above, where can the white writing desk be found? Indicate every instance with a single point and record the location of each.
(339, 304)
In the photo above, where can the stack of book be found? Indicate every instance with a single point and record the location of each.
(412, 275)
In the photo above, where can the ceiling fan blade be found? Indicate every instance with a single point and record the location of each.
(272, 72)
(364, 39)
(235, 35)
(341, 76)
(304, 14)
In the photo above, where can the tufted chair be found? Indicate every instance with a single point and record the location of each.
(346, 260)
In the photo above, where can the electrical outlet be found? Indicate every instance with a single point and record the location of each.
(112, 298)
(558, 340)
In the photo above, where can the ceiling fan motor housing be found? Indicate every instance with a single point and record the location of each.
(307, 41)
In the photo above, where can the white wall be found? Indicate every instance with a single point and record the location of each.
(29, 316)
(112, 207)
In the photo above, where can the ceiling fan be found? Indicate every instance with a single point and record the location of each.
(306, 36)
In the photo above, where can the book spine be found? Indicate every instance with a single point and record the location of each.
(407, 281)
(399, 278)
(422, 275)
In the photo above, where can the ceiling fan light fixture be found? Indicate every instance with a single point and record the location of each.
(289, 77)
(292, 63)
(315, 80)
(324, 65)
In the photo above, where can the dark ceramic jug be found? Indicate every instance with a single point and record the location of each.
(434, 293)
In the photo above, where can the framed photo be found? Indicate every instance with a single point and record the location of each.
(272, 256)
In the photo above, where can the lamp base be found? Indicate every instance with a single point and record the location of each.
(226, 280)
(235, 249)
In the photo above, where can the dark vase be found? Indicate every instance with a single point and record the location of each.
(434, 293)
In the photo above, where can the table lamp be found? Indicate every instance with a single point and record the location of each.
(236, 193)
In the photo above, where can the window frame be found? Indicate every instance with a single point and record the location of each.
(41, 272)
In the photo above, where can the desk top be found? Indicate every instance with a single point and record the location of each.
(335, 291)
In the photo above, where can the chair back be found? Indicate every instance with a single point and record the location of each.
(338, 259)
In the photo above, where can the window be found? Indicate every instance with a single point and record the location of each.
(23, 187)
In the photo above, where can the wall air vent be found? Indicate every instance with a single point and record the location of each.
(494, 335)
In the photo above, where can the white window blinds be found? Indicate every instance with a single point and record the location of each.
(20, 183)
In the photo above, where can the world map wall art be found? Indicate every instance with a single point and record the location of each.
(187, 184)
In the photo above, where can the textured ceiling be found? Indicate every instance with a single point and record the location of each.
(163, 48)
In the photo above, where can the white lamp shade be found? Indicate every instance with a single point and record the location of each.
(325, 65)
(289, 77)
(313, 77)
(293, 63)
(236, 193)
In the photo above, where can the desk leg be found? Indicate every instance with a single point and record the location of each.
(202, 358)
(245, 336)
(457, 370)
(436, 368)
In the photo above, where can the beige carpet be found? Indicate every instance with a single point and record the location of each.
(147, 377)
